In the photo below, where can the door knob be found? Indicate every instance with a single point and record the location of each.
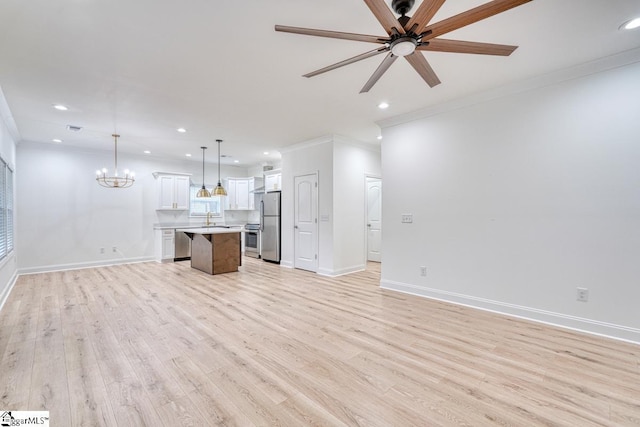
(368, 225)
(295, 226)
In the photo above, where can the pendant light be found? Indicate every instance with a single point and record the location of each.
(219, 190)
(203, 192)
(115, 181)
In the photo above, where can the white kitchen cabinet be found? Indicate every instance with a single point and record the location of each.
(173, 191)
(165, 245)
(273, 182)
(240, 194)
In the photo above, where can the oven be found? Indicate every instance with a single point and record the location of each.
(252, 240)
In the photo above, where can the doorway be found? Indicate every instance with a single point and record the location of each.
(305, 242)
(374, 219)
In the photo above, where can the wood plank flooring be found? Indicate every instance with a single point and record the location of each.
(164, 345)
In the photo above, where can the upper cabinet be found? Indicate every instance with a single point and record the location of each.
(240, 194)
(272, 181)
(173, 191)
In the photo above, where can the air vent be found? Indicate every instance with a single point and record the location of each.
(267, 168)
(73, 128)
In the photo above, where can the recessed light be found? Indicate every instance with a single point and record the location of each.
(181, 130)
(58, 140)
(266, 153)
(379, 136)
(236, 161)
(60, 107)
(630, 25)
(383, 105)
(188, 154)
(147, 152)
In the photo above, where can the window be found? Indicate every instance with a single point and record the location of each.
(6, 209)
(200, 206)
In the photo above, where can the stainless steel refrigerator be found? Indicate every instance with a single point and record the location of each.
(270, 226)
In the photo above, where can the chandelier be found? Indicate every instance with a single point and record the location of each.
(115, 181)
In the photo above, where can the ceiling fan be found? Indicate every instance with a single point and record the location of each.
(407, 34)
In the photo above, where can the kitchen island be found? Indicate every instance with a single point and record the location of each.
(215, 250)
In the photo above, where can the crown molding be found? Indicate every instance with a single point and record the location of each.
(621, 59)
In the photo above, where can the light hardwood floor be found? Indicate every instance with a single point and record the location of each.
(162, 344)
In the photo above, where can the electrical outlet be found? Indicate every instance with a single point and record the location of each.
(114, 249)
(582, 294)
(407, 218)
(101, 250)
(423, 271)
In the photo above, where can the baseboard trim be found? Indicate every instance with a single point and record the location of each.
(81, 265)
(342, 271)
(7, 290)
(594, 327)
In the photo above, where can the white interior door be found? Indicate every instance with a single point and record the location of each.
(374, 219)
(306, 222)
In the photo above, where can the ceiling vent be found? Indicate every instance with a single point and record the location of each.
(73, 128)
(267, 168)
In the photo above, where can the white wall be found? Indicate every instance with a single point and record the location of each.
(302, 159)
(9, 265)
(342, 165)
(65, 216)
(519, 200)
(352, 162)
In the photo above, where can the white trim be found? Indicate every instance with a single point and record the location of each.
(306, 144)
(286, 263)
(610, 62)
(7, 117)
(81, 265)
(157, 174)
(7, 290)
(341, 272)
(594, 327)
(331, 138)
(316, 194)
(339, 139)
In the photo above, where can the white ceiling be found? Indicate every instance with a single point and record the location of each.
(144, 68)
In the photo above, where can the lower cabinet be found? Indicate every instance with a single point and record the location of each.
(165, 245)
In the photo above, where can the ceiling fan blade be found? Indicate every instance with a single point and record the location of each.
(423, 15)
(382, 68)
(458, 46)
(348, 61)
(331, 34)
(385, 16)
(470, 16)
(420, 64)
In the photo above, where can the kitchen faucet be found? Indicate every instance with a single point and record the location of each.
(208, 223)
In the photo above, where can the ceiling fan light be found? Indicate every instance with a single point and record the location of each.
(403, 47)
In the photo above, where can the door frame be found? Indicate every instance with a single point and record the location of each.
(316, 196)
(368, 176)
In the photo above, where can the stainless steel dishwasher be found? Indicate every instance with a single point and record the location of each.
(182, 246)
